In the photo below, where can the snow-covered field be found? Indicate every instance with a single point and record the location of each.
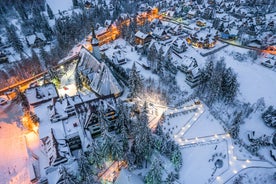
(206, 125)
(60, 5)
(255, 80)
(199, 162)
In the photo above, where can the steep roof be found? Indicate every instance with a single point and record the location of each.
(101, 78)
(141, 35)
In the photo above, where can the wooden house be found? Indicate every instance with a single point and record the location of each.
(142, 38)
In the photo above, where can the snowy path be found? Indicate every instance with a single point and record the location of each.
(235, 165)
(190, 123)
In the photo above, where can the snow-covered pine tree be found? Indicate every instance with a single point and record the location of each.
(116, 148)
(13, 38)
(75, 3)
(228, 85)
(19, 6)
(135, 82)
(86, 169)
(95, 154)
(176, 158)
(142, 137)
(50, 12)
(154, 176)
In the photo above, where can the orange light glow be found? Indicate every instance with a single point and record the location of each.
(29, 122)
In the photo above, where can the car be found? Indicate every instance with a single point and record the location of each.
(3, 101)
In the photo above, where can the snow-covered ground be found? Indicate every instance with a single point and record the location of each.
(204, 142)
(61, 5)
(255, 80)
(199, 162)
(255, 175)
(14, 156)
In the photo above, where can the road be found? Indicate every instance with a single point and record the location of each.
(25, 83)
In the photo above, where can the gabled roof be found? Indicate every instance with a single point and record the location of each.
(158, 31)
(31, 38)
(141, 35)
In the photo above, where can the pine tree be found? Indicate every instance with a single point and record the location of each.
(171, 178)
(75, 2)
(142, 137)
(95, 154)
(86, 168)
(176, 158)
(13, 38)
(21, 10)
(106, 145)
(135, 82)
(116, 148)
(229, 85)
(154, 176)
(44, 56)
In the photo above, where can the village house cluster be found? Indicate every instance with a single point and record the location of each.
(69, 123)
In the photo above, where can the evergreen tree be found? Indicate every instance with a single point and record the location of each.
(95, 154)
(86, 168)
(21, 10)
(171, 178)
(116, 148)
(229, 85)
(154, 176)
(44, 56)
(13, 38)
(107, 142)
(124, 138)
(176, 158)
(50, 12)
(135, 82)
(142, 137)
(75, 2)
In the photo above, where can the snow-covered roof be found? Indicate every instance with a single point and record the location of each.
(195, 72)
(41, 94)
(41, 36)
(107, 22)
(158, 31)
(179, 43)
(119, 55)
(31, 38)
(102, 80)
(192, 12)
(141, 35)
(126, 177)
(101, 30)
